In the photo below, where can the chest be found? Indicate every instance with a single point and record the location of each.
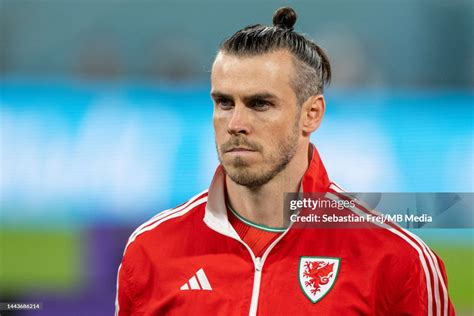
(296, 277)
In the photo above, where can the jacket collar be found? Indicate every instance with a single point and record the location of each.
(315, 179)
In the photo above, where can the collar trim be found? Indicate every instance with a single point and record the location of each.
(255, 225)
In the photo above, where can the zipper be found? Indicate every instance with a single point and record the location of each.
(258, 264)
(256, 286)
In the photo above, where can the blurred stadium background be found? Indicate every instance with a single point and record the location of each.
(105, 120)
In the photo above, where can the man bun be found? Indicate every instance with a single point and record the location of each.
(285, 18)
(312, 67)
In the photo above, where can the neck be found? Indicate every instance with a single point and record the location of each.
(264, 204)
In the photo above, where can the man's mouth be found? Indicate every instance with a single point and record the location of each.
(240, 152)
(239, 149)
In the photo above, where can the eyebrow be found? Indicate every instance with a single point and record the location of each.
(219, 95)
(262, 95)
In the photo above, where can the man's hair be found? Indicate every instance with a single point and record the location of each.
(312, 68)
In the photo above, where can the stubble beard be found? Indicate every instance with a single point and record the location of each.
(240, 171)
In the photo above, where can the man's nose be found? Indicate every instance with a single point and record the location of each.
(239, 121)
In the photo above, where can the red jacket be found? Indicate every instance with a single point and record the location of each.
(190, 261)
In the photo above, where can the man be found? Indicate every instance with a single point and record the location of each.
(232, 250)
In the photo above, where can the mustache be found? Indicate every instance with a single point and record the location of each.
(240, 141)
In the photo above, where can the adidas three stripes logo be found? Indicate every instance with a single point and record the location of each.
(198, 281)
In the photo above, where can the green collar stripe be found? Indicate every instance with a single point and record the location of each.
(259, 226)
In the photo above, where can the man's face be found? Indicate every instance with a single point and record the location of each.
(256, 115)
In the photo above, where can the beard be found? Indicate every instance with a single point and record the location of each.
(240, 171)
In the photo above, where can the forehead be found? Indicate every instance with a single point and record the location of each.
(271, 72)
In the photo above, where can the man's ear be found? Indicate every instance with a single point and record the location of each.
(312, 113)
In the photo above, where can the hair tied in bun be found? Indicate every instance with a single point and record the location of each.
(285, 18)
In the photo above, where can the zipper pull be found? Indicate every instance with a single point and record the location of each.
(258, 264)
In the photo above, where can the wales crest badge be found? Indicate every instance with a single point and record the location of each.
(317, 276)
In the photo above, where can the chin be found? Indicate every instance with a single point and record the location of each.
(237, 163)
(238, 169)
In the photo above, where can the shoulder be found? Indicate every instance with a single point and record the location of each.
(393, 238)
(167, 224)
(402, 253)
(396, 247)
(148, 244)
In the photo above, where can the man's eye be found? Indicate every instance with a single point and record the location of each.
(260, 104)
(224, 104)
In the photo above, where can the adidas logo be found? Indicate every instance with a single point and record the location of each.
(199, 281)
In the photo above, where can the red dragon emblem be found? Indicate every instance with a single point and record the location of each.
(319, 273)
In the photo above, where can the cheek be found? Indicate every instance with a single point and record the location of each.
(277, 134)
(219, 124)
(277, 129)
